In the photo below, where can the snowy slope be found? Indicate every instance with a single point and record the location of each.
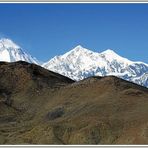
(11, 52)
(80, 63)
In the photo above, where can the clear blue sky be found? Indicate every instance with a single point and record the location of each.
(46, 30)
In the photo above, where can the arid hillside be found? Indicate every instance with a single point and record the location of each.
(38, 106)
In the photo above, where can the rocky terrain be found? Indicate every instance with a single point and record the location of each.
(38, 106)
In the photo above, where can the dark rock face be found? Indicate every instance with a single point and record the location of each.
(56, 113)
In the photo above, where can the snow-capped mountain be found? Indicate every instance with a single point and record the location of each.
(80, 63)
(11, 52)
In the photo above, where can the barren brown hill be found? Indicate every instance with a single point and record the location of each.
(38, 106)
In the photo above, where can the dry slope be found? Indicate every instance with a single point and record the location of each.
(42, 107)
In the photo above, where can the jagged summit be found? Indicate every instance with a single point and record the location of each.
(78, 46)
(7, 43)
(110, 54)
(109, 51)
(81, 51)
(81, 48)
(78, 50)
(11, 52)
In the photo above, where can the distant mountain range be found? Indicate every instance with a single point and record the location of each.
(80, 63)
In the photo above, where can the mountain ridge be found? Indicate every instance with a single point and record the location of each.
(80, 63)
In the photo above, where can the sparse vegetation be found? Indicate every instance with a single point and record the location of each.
(41, 107)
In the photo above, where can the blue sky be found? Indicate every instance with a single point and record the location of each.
(46, 30)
